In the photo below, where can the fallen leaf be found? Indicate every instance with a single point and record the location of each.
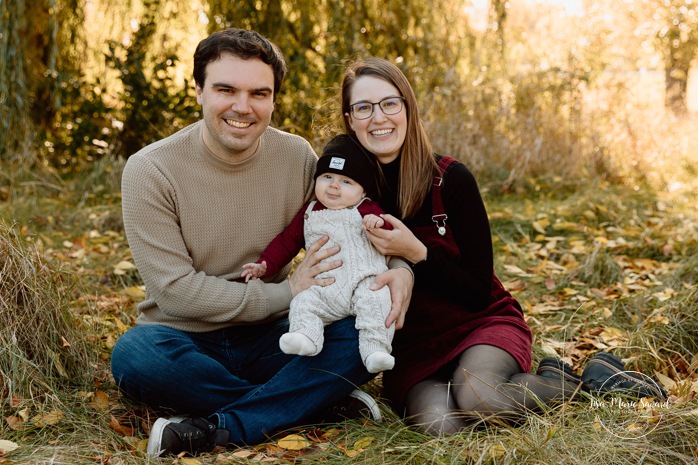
(612, 336)
(123, 267)
(7, 446)
(540, 225)
(565, 226)
(497, 450)
(135, 292)
(100, 402)
(142, 445)
(15, 401)
(293, 442)
(189, 461)
(49, 419)
(117, 427)
(665, 381)
(549, 283)
(513, 269)
(364, 442)
(15, 423)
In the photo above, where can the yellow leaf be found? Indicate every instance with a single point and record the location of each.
(597, 424)
(513, 269)
(364, 442)
(135, 292)
(123, 267)
(293, 442)
(565, 226)
(570, 291)
(189, 461)
(24, 414)
(540, 226)
(142, 445)
(590, 214)
(610, 334)
(15, 423)
(497, 450)
(665, 381)
(49, 419)
(122, 327)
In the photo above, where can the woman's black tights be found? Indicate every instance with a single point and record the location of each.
(487, 383)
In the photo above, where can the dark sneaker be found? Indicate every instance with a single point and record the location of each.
(356, 405)
(554, 368)
(177, 434)
(606, 373)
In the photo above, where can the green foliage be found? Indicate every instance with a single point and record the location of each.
(512, 120)
(318, 38)
(14, 114)
(152, 104)
(83, 130)
(42, 51)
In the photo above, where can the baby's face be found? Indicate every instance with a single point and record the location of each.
(336, 191)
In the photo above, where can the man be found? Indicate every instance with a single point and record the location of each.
(197, 206)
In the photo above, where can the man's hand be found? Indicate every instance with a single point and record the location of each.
(400, 283)
(305, 274)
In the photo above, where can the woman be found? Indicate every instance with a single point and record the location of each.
(465, 350)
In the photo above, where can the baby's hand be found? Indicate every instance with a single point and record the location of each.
(253, 270)
(372, 221)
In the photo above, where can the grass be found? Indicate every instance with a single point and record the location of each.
(597, 267)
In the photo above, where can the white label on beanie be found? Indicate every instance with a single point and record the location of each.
(337, 163)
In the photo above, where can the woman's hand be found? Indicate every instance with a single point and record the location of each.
(305, 273)
(400, 282)
(399, 241)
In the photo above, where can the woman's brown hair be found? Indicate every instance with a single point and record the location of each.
(418, 163)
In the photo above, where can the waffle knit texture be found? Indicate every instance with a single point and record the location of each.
(192, 220)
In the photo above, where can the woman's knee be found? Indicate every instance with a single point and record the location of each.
(431, 408)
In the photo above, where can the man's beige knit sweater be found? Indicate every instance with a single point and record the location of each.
(192, 220)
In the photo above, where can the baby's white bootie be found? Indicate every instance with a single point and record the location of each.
(298, 344)
(379, 361)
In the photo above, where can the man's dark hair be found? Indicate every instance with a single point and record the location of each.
(241, 43)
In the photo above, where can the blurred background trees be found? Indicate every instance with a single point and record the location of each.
(517, 89)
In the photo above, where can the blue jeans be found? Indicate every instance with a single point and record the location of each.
(237, 376)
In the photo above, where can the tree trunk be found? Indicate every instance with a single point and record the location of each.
(676, 86)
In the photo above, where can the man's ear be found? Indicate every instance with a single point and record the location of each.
(199, 91)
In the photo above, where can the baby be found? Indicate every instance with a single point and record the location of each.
(344, 176)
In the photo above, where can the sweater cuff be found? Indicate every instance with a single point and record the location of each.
(278, 296)
(397, 262)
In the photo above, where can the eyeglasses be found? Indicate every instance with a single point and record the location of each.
(389, 106)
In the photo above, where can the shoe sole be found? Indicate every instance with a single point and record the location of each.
(371, 405)
(155, 440)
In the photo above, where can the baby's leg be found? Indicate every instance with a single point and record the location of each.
(307, 320)
(371, 309)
